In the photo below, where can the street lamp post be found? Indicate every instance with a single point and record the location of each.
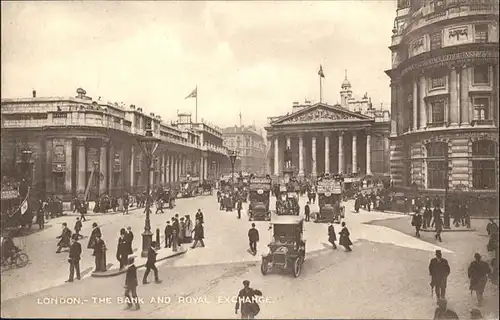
(148, 144)
(232, 157)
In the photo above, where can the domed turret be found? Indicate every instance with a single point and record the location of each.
(346, 92)
(346, 84)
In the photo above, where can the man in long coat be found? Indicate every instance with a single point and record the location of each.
(344, 239)
(332, 237)
(129, 236)
(75, 252)
(99, 254)
(439, 269)
(65, 238)
(199, 234)
(122, 250)
(131, 285)
(478, 274)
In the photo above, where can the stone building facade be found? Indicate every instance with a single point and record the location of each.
(351, 138)
(444, 92)
(250, 145)
(71, 136)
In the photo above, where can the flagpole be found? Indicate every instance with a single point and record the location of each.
(196, 111)
(320, 90)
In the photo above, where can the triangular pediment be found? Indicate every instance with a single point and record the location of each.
(320, 113)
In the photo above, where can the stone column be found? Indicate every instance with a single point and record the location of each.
(162, 168)
(354, 153)
(276, 157)
(111, 159)
(48, 164)
(341, 153)
(68, 148)
(314, 172)
(368, 154)
(132, 168)
(103, 167)
(464, 97)
(453, 98)
(205, 174)
(400, 107)
(423, 105)
(201, 167)
(301, 155)
(82, 174)
(415, 105)
(394, 108)
(327, 152)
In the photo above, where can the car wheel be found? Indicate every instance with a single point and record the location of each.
(297, 267)
(264, 267)
(21, 260)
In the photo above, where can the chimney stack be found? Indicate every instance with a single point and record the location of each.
(34, 93)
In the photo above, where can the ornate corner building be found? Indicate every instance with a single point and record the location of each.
(250, 145)
(351, 138)
(444, 92)
(71, 136)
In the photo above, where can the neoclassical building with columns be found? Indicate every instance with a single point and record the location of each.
(445, 103)
(72, 136)
(327, 139)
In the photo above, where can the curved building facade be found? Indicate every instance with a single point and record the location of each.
(445, 104)
(72, 136)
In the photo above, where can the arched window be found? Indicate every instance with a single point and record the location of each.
(483, 165)
(436, 165)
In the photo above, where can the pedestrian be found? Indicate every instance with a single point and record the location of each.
(78, 227)
(75, 252)
(122, 250)
(239, 207)
(427, 217)
(159, 206)
(126, 203)
(439, 269)
(443, 313)
(131, 285)
(253, 238)
(130, 238)
(332, 237)
(188, 230)
(478, 273)
(438, 223)
(182, 231)
(356, 204)
(307, 211)
(198, 234)
(416, 221)
(344, 239)
(247, 301)
(150, 264)
(492, 227)
(176, 227)
(168, 235)
(65, 238)
(96, 231)
(199, 215)
(40, 216)
(99, 254)
(83, 210)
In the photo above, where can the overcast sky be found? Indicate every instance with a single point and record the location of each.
(257, 57)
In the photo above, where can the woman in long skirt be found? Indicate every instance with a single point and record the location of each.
(344, 238)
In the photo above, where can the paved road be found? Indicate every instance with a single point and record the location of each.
(226, 241)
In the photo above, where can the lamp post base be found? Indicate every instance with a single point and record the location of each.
(147, 238)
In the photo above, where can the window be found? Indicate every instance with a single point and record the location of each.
(481, 74)
(481, 32)
(58, 154)
(438, 80)
(58, 178)
(481, 108)
(483, 165)
(437, 112)
(436, 165)
(436, 40)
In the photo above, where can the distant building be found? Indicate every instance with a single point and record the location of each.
(250, 145)
(348, 138)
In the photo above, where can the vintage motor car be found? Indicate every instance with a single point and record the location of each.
(329, 190)
(287, 249)
(290, 205)
(260, 190)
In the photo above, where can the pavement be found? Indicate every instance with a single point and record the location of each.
(384, 277)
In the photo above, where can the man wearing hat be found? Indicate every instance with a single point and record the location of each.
(75, 250)
(478, 274)
(439, 269)
(442, 312)
(332, 237)
(99, 254)
(150, 264)
(65, 238)
(253, 238)
(95, 232)
(246, 298)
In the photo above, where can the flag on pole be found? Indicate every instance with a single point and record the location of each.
(320, 72)
(193, 94)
